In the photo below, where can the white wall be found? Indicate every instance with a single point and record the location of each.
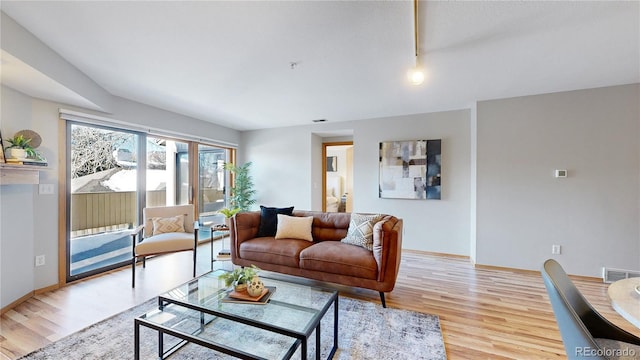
(473, 191)
(34, 230)
(17, 247)
(282, 166)
(23, 215)
(23, 45)
(593, 213)
(282, 159)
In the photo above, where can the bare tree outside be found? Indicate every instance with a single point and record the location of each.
(92, 150)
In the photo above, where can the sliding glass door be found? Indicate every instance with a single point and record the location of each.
(212, 183)
(113, 173)
(103, 197)
(167, 175)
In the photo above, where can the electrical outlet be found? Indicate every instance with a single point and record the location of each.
(556, 249)
(40, 260)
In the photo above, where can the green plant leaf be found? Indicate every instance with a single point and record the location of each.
(21, 142)
(228, 213)
(242, 193)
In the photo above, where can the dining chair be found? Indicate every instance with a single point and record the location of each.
(585, 333)
(165, 229)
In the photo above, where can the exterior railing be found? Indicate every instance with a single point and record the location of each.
(98, 212)
(93, 213)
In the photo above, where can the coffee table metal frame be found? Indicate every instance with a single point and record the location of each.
(301, 336)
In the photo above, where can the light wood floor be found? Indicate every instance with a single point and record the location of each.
(484, 313)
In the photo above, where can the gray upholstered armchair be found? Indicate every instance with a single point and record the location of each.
(165, 229)
(585, 333)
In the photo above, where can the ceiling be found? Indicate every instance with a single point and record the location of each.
(229, 62)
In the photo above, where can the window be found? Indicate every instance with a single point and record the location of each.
(108, 179)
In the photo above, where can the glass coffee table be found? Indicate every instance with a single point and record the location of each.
(195, 312)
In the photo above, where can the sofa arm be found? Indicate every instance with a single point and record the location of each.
(243, 226)
(387, 248)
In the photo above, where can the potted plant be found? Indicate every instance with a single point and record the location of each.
(20, 147)
(228, 214)
(242, 192)
(239, 277)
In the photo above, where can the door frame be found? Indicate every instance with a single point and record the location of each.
(325, 145)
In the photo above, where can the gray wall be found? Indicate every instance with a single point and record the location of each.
(522, 209)
(288, 169)
(29, 221)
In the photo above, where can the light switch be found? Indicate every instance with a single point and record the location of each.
(46, 189)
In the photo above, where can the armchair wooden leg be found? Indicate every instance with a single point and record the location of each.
(144, 262)
(384, 304)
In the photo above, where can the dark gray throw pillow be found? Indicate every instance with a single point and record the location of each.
(269, 219)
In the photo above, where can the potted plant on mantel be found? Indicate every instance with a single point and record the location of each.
(20, 147)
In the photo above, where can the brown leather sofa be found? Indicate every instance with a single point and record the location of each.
(325, 258)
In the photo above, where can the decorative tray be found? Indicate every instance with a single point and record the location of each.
(244, 298)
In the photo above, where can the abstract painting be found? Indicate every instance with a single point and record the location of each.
(410, 169)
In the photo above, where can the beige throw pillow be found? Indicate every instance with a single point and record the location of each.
(361, 230)
(294, 227)
(167, 225)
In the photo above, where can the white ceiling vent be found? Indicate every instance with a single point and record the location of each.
(610, 275)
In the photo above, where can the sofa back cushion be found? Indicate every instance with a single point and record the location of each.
(327, 226)
(360, 231)
(269, 219)
(294, 227)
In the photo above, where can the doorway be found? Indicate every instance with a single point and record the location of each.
(337, 176)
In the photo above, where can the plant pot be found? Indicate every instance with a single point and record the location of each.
(255, 287)
(240, 287)
(18, 153)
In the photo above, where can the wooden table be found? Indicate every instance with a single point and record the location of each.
(625, 300)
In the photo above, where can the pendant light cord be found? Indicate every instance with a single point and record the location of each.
(415, 26)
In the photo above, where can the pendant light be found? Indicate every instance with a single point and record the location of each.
(416, 73)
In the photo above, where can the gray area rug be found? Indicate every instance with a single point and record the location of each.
(366, 331)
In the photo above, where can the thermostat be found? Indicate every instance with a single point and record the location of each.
(561, 173)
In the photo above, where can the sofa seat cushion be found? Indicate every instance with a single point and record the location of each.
(339, 258)
(285, 252)
(167, 242)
